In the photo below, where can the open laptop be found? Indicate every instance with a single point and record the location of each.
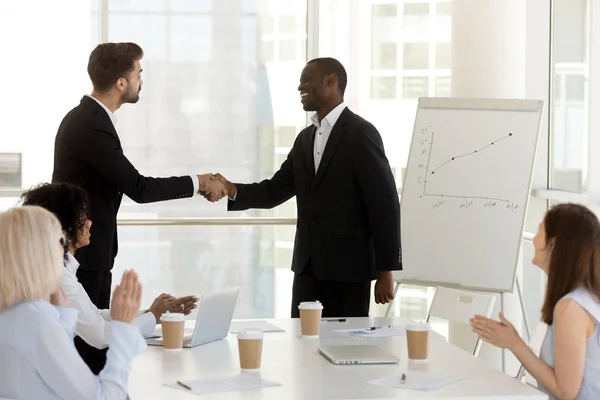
(215, 311)
(344, 355)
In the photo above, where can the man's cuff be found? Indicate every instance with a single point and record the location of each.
(233, 198)
(196, 184)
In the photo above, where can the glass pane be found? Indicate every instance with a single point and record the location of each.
(190, 38)
(384, 36)
(210, 101)
(288, 24)
(442, 86)
(195, 260)
(266, 52)
(10, 170)
(443, 21)
(415, 56)
(414, 87)
(203, 6)
(575, 87)
(46, 45)
(569, 25)
(288, 50)
(415, 26)
(149, 31)
(383, 87)
(570, 101)
(137, 5)
(384, 56)
(267, 25)
(442, 56)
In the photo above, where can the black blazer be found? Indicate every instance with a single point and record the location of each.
(348, 212)
(88, 153)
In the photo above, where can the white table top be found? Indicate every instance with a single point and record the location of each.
(305, 374)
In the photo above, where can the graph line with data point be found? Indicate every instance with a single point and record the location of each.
(477, 151)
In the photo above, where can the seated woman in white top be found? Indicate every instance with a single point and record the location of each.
(70, 204)
(38, 359)
(567, 249)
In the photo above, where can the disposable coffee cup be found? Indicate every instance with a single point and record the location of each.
(173, 325)
(417, 339)
(310, 318)
(250, 343)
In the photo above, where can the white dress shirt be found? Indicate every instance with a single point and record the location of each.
(324, 128)
(94, 325)
(38, 359)
(113, 119)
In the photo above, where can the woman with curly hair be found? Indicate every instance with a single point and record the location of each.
(70, 204)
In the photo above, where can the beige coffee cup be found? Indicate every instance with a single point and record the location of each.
(173, 325)
(250, 343)
(417, 339)
(310, 318)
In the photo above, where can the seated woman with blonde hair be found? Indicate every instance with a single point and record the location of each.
(70, 204)
(38, 359)
(567, 249)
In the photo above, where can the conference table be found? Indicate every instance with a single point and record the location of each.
(303, 373)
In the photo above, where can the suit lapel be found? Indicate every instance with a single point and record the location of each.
(310, 165)
(332, 143)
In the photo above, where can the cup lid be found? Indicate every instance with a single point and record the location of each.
(419, 327)
(172, 317)
(310, 305)
(250, 334)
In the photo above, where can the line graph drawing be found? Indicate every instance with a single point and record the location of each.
(466, 154)
(429, 173)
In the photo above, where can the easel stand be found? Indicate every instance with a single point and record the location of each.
(436, 284)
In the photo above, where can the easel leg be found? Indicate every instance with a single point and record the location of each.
(521, 372)
(389, 307)
(503, 350)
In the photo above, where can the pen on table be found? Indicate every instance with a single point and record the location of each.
(403, 379)
(184, 385)
(379, 327)
(334, 320)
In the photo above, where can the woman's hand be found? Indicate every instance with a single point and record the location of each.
(501, 334)
(126, 298)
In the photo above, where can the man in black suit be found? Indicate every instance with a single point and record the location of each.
(348, 230)
(88, 153)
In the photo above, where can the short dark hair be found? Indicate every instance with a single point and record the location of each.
(110, 61)
(575, 254)
(330, 65)
(69, 203)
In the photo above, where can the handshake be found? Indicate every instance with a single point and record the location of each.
(214, 187)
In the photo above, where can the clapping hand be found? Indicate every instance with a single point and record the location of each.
(126, 298)
(212, 189)
(166, 302)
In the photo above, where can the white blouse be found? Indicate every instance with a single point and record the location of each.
(93, 325)
(38, 359)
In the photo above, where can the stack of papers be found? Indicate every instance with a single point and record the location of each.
(265, 326)
(419, 380)
(243, 381)
(374, 332)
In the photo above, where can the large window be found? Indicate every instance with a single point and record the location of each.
(219, 95)
(570, 97)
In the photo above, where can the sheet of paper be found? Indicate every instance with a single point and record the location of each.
(419, 380)
(243, 381)
(264, 325)
(373, 333)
